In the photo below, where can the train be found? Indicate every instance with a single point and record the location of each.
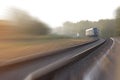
(92, 32)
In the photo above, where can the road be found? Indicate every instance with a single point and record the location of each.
(21, 70)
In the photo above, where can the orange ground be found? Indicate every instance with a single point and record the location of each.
(13, 49)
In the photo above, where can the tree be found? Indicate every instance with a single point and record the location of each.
(106, 27)
(27, 24)
(118, 21)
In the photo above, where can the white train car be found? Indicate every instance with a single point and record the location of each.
(92, 32)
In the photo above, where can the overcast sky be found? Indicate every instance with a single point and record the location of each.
(55, 12)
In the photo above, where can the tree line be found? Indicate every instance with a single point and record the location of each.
(107, 27)
(24, 23)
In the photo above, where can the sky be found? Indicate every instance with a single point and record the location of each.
(56, 12)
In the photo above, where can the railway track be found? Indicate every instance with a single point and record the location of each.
(37, 68)
(88, 68)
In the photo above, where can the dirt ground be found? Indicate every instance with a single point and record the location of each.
(10, 49)
(116, 51)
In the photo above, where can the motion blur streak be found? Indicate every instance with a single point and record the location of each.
(96, 69)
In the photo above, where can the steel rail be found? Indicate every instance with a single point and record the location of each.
(61, 62)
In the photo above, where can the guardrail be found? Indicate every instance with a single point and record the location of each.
(62, 62)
